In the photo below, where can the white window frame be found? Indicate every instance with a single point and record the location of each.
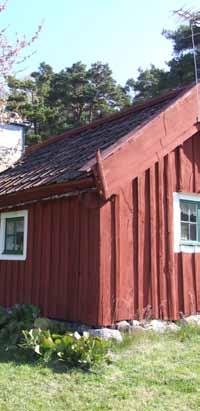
(13, 214)
(178, 245)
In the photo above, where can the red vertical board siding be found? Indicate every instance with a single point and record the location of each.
(84, 254)
(61, 271)
(162, 241)
(135, 245)
(99, 262)
(187, 167)
(45, 260)
(170, 266)
(147, 247)
(37, 244)
(153, 246)
(93, 262)
(197, 280)
(141, 244)
(106, 256)
(124, 226)
(196, 170)
(28, 265)
(152, 279)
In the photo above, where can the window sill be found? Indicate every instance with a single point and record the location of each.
(13, 257)
(189, 243)
(12, 253)
(188, 248)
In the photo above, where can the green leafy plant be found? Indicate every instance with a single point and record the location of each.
(13, 321)
(73, 349)
(56, 327)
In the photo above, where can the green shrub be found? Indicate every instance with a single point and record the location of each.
(13, 321)
(56, 327)
(74, 350)
(43, 323)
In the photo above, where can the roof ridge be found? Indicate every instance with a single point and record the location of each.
(134, 108)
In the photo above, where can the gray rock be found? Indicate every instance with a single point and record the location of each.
(106, 334)
(123, 326)
(172, 327)
(193, 319)
(134, 323)
(83, 328)
(158, 326)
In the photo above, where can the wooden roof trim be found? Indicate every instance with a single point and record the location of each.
(152, 142)
(127, 137)
(100, 176)
(133, 109)
(48, 190)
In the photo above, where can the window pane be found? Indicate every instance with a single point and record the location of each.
(14, 235)
(193, 232)
(184, 211)
(20, 226)
(184, 231)
(10, 243)
(19, 242)
(10, 226)
(193, 212)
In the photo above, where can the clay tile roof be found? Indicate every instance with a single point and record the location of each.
(62, 158)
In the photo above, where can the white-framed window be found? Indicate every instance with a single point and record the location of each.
(13, 235)
(186, 223)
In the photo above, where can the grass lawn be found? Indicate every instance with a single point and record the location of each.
(147, 373)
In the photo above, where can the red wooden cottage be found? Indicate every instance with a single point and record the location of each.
(103, 222)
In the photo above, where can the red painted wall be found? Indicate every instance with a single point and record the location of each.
(103, 262)
(137, 247)
(61, 272)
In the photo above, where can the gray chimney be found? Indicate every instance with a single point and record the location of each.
(11, 144)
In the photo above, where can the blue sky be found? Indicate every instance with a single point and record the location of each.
(124, 33)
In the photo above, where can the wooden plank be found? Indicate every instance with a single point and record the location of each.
(65, 292)
(161, 241)
(115, 269)
(141, 194)
(37, 193)
(179, 270)
(57, 272)
(93, 282)
(74, 258)
(187, 168)
(29, 260)
(188, 284)
(154, 273)
(46, 257)
(14, 282)
(126, 276)
(147, 248)
(106, 255)
(83, 269)
(197, 280)
(196, 162)
(135, 247)
(38, 250)
(172, 283)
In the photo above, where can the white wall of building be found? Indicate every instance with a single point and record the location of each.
(11, 144)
